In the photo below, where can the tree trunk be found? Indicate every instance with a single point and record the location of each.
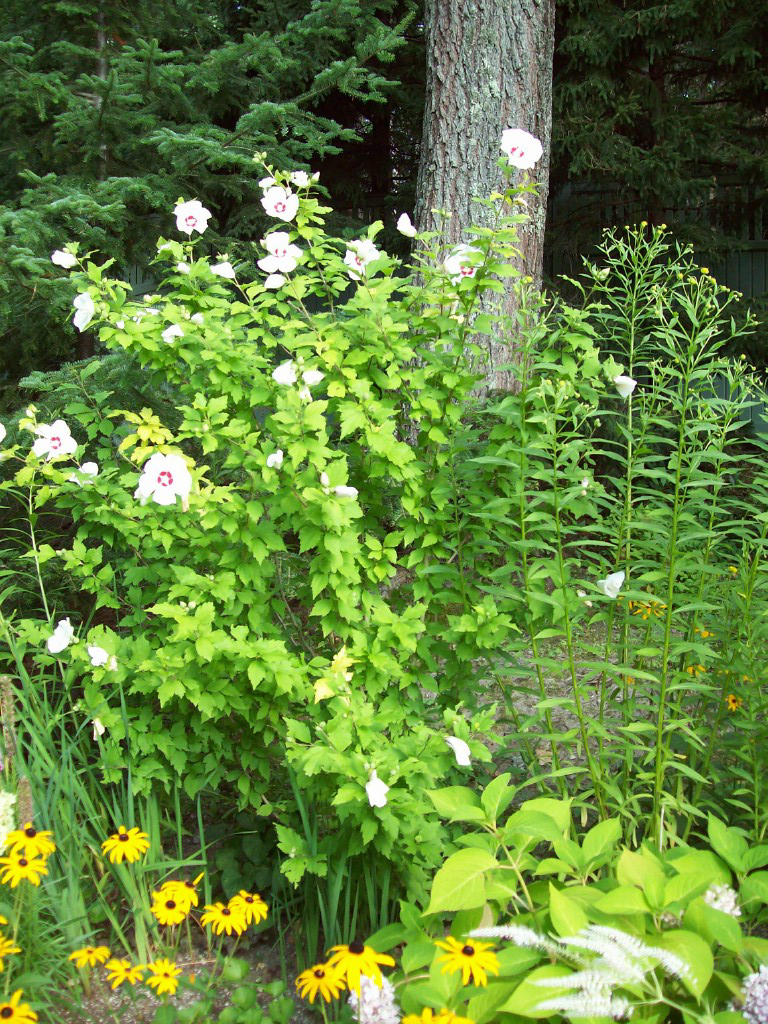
(489, 67)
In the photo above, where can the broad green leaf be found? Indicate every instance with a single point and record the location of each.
(626, 899)
(601, 839)
(417, 955)
(713, 925)
(694, 952)
(683, 888)
(566, 916)
(457, 803)
(528, 995)
(460, 882)
(559, 810)
(729, 843)
(754, 888)
(497, 796)
(531, 825)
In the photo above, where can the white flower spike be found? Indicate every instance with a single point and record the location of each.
(405, 227)
(522, 149)
(612, 584)
(85, 310)
(624, 385)
(163, 479)
(191, 216)
(63, 259)
(53, 440)
(460, 749)
(376, 790)
(62, 636)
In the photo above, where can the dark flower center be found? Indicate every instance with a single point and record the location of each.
(123, 837)
(468, 950)
(23, 862)
(29, 832)
(248, 899)
(356, 947)
(170, 904)
(319, 972)
(6, 1012)
(166, 974)
(226, 911)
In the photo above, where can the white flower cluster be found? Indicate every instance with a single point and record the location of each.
(7, 817)
(723, 897)
(756, 996)
(375, 1005)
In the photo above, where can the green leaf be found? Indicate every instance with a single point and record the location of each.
(531, 825)
(626, 899)
(457, 803)
(497, 796)
(713, 925)
(694, 952)
(754, 888)
(601, 839)
(567, 917)
(528, 995)
(729, 843)
(460, 882)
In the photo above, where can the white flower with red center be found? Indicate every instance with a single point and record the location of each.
(224, 269)
(461, 262)
(163, 479)
(53, 440)
(404, 226)
(191, 216)
(359, 254)
(85, 310)
(63, 259)
(282, 254)
(522, 149)
(280, 202)
(61, 637)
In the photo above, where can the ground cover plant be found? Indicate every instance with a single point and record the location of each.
(336, 585)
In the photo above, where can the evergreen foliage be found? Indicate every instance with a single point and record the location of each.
(115, 110)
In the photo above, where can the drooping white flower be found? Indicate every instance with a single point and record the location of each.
(404, 226)
(612, 584)
(305, 395)
(376, 790)
(376, 1003)
(461, 263)
(300, 179)
(163, 479)
(274, 281)
(285, 374)
(522, 149)
(266, 183)
(624, 385)
(85, 474)
(312, 377)
(342, 491)
(7, 817)
(98, 729)
(724, 898)
(197, 318)
(63, 259)
(460, 749)
(359, 254)
(99, 657)
(62, 636)
(120, 325)
(182, 268)
(85, 310)
(2, 433)
(174, 331)
(191, 216)
(275, 459)
(282, 253)
(280, 203)
(224, 269)
(53, 440)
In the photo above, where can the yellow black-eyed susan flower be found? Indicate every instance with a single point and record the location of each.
(167, 910)
(13, 1011)
(357, 959)
(224, 919)
(89, 956)
(429, 1016)
(695, 670)
(474, 959)
(122, 972)
(183, 892)
(733, 703)
(126, 844)
(250, 905)
(30, 842)
(7, 948)
(18, 868)
(163, 977)
(322, 979)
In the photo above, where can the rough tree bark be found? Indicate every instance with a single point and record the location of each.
(489, 67)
